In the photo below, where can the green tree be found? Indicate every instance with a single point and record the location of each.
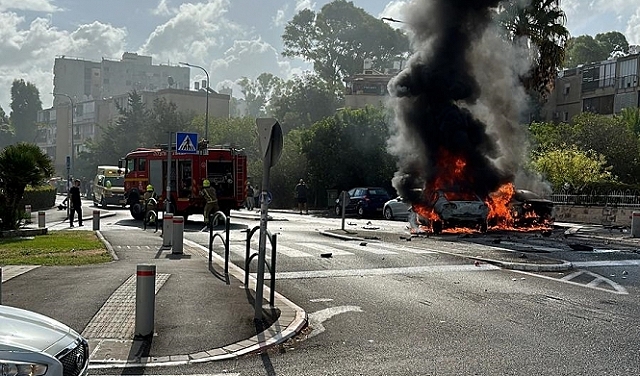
(542, 24)
(6, 131)
(339, 38)
(21, 164)
(583, 49)
(614, 43)
(123, 135)
(349, 149)
(631, 117)
(303, 101)
(569, 164)
(163, 118)
(612, 138)
(547, 136)
(25, 104)
(258, 93)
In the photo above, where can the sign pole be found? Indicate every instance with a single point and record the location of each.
(167, 203)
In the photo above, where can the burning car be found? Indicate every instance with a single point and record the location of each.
(451, 209)
(529, 209)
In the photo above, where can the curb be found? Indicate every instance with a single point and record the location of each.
(291, 321)
(561, 265)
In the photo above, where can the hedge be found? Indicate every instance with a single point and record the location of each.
(40, 198)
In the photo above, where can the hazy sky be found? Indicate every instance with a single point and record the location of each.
(230, 38)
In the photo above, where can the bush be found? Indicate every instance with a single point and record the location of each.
(40, 198)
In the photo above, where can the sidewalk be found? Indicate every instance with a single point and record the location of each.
(200, 315)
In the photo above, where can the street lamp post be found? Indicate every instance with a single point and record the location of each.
(72, 160)
(206, 89)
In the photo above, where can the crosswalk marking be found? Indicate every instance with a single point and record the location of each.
(371, 248)
(291, 252)
(326, 249)
(397, 247)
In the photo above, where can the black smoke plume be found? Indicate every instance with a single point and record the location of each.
(441, 107)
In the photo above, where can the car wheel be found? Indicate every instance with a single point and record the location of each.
(360, 212)
(388, 214)
(337, 210)
(483, 227)
(437, 227)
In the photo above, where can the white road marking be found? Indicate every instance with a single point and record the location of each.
(618, 289)
(370, 248)
(317, 318)
(535, 247)
(326, 249)
(12, 271)
(587, 264)
(320, 300)
(291, 252)
(382, 271)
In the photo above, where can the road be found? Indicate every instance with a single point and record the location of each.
(395, 307)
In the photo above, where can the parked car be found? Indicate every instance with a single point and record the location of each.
(363, 201)
(37, 345)
(456, 209)
(529, 209)
(396, 208)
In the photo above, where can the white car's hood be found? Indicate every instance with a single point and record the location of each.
(30, 330)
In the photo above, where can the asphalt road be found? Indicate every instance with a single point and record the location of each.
(406, 308)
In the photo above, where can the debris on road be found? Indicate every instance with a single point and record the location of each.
(581, 247)
(326, 255)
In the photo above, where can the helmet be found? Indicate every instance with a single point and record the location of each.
(206, 183)
(149, 188)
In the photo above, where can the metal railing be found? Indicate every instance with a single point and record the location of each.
(213, 219)
(273, 240)
(613, 198)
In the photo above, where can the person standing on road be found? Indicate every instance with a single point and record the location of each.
(76, 203)
(248, 194)
(211, 197)
(301, 196)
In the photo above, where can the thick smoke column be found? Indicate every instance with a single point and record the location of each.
(457, 98)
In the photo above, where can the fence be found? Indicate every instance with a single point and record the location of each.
(629, 198)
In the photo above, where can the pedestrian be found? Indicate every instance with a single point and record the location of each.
(301, 196)
(211, 198)
(76, 203)
(256, 197)
(248, 196)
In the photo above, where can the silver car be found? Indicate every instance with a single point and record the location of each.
(396, 208)
(32, 344)
(456, 209)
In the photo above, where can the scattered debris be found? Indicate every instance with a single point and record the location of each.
(571, 231)
(624, 272)
(522, 255)
(363, 243)
(326, 255)
(546, 233)
(477, 263)
(496, 241)
(581, 247)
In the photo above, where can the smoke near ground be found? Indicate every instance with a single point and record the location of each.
(459, 96)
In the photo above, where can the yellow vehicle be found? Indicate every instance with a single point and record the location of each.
(108, 187)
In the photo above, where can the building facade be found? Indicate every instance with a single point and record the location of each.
(604, 88)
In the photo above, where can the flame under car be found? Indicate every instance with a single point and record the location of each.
(452, 209)
(529, 209)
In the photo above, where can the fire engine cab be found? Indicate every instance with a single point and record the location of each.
(224, 167)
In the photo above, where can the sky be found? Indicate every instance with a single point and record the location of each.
(230, 38)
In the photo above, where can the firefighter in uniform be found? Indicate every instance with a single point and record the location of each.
(211, 197)
(150, 199)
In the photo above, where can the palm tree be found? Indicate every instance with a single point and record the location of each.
(542, 24)
(21, 164)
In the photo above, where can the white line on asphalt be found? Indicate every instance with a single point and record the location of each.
(383, 271)
(620, 290)
(370, 247)
(12, 271)
(326, 249)
(197, 374)
(291, 252)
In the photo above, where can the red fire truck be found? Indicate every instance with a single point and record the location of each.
(225, 167)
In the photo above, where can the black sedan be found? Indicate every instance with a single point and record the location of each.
(363, 201)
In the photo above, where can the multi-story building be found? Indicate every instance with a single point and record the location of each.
(86, 80)
(55, 134)
(605, 88)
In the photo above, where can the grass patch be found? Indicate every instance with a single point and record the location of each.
(55, 248)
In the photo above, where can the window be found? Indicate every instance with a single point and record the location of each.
(105, 81)
(607, 74)
(565, 116)
(567, 87)
(142, 164)
(628, 74)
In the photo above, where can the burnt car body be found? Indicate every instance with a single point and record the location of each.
(530, 209)
(456, 209)
(363, 201)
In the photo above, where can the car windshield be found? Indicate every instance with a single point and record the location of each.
(116, 181)
(460, 196)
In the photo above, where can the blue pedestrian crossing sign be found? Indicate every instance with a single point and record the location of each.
(186, 143)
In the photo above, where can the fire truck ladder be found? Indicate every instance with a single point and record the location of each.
(240, 176)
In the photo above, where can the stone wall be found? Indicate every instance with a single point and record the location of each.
(600, 215)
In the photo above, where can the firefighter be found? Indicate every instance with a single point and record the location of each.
(211, 197)
(150, 200)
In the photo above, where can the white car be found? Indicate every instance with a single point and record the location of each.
(32, 344)
(456, 209)
(396, 208)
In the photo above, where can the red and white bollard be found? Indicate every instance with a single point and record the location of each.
(96, 220)
(167, 229)
(41, 219)
(145, 300)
